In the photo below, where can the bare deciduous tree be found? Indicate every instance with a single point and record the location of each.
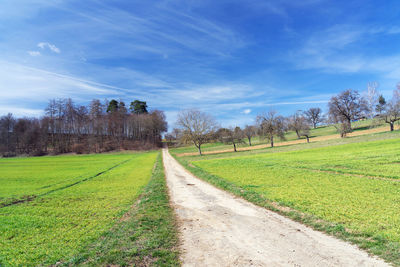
(298, 123)
(197, 126)
(231, 136)
(314, 116)
(271, 125)
(372, 98)
(250, 131)
(346, 107)
(342, 128)
(389, 112)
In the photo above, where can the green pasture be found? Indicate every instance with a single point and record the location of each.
(51, 207)
(28, 177)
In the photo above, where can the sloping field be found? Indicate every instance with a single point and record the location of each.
(51, 207)
(354, 186)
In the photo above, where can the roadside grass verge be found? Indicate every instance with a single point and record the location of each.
(345, 204)
(56, 225)
(145, 236)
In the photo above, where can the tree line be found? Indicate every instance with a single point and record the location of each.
(348, 106)
(97, 127)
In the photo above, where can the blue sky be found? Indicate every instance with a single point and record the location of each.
(233, 59)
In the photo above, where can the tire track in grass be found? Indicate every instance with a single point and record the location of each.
(32, 197)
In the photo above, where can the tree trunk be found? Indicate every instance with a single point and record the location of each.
(391, 126)
(308, 139)
(298, 134)
(199, 150)
(315, 125)
(249, 140)
(272, 141)
(349, 123)
(234, 147)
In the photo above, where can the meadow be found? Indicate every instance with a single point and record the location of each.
(53, 208)
(349, 190)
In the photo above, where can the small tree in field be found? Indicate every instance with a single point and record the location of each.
(314, 116)
(298, 123)
(231, 136)
(306, 134)
(270, 126)
(380, 107)
(346, 107)
(342, 128)
(250, 131)
(197, 127)
(389, 112)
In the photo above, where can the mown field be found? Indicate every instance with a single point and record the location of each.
(349, 190)
(53, 208)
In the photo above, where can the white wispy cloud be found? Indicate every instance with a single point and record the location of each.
(20, 111)
(246, 111)
(33, 86)
(34, 53)
(52, 47)
(165, 30)
(340, 49)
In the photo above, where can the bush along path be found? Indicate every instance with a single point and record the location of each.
(145, 236)
(219, 229)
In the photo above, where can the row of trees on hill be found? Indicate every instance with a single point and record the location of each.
(200, 128)
(348, 106)
(98, 127)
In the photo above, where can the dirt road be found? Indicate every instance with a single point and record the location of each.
(218, 229)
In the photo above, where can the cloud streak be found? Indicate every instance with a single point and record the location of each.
(34, 53)
(51, 47)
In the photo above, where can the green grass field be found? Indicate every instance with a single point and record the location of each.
(53, 207)
(145, 235)
(350, 190)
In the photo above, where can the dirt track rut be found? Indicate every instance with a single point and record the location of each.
(218, 229)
